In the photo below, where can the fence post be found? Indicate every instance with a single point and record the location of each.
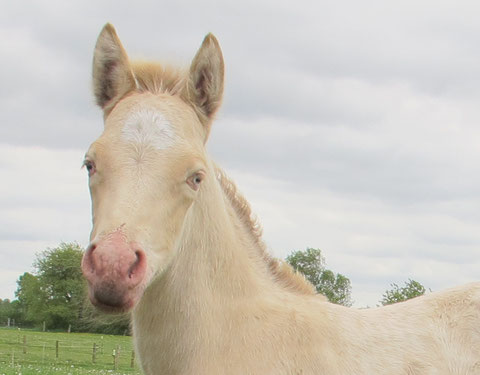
(118, 355)
(8, 322)
(115, 359)
(56, 349)
(24, 344)
(94, 353)
(132, 360)
(69, 328)
(44, 326)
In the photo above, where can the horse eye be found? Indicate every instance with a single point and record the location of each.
(195, 180)
(90, 166)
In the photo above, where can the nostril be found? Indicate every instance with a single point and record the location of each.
(131, 270)
(88, 262)
(137, 269)
(91, 248)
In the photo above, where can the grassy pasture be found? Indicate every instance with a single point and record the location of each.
(75, 352)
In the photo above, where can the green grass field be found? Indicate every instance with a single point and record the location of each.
(75, 351)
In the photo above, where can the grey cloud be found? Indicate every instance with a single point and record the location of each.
(284, 66)
(361, 119)
(344, 160)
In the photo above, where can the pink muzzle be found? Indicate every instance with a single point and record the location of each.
(115, 270)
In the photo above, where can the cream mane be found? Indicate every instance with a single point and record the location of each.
(158, 78)
(282, 272)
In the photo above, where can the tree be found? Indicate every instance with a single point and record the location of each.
(61, 281)
(411, 289)
(55, 292)
(31, 299)
(7, 311)
(336, 287)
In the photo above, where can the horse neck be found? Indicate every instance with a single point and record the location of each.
(217, 271)
(217, 259)
(218, 252)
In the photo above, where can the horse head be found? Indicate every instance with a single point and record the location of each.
(147, 167)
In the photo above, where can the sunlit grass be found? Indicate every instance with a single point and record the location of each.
(75, 352)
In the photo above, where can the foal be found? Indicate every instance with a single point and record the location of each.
(173, 241)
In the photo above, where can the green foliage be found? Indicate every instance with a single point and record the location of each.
(30, 299)
(411, 289)
(7, 310)
(55, 293)
(62, 284)
(336, 287)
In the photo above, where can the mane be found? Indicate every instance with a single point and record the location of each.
(158, 78)
(281, 271)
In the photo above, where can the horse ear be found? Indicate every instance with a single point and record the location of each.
(112, 74)
(204, 88)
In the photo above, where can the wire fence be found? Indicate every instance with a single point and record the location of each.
(104, 352)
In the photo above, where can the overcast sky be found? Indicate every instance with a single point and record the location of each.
(350, 126)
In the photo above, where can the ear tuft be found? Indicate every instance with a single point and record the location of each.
(204, 89)
(112, 74)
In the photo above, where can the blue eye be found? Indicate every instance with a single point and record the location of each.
(90, 166)
(196, 179)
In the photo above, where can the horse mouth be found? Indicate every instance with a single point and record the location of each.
(111, 300)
